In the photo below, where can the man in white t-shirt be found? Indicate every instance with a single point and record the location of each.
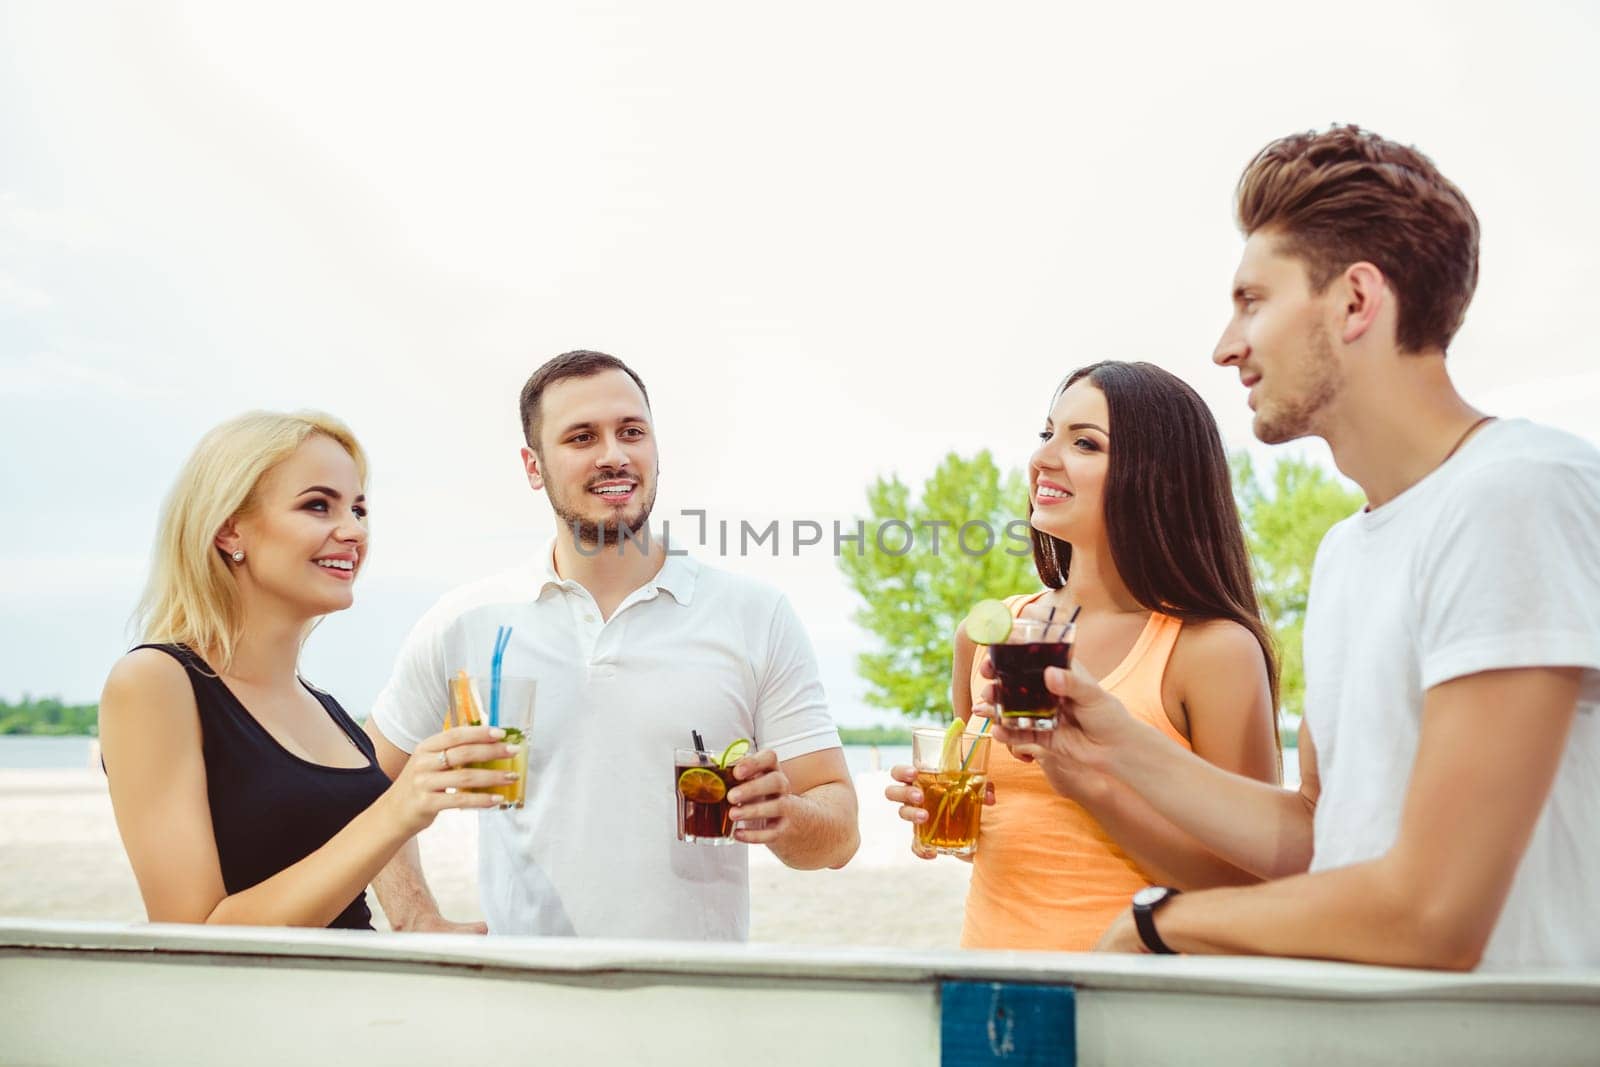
(1450, 750)
(636, 649)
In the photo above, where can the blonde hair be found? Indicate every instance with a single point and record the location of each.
(192, 597)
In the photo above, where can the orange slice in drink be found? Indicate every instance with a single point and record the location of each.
(464, 703)
(701, 786)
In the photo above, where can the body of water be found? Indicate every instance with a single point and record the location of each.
(25, 752)
(862, 758)
(74, 753)
(22, 752)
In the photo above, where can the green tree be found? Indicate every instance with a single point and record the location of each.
(913, 600)
(1285, 520)
(875, 735)
(48, 716)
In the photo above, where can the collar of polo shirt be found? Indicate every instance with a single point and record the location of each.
(676, 576)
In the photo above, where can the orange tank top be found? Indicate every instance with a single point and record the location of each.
(1045, 875)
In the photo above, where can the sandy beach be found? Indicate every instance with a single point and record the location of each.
(60, 858)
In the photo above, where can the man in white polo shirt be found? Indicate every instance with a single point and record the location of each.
(634, 648)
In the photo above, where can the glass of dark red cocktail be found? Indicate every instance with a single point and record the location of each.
(1019, 665)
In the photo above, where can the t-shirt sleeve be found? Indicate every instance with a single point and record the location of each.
(791, 709)
(412, 706)
(1512, 575)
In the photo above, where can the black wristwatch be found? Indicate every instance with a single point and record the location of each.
(1146, 902)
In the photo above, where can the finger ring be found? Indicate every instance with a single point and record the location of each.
(444, 761)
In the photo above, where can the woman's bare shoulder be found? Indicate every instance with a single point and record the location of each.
(147, 677)
(1217, 644)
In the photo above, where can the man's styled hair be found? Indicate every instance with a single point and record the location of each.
(1347, 196)
(581, 363)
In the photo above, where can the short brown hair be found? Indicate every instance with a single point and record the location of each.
(580, 363)
(1346, 196)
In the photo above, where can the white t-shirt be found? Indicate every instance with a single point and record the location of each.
(595, 852)
(1490, 562)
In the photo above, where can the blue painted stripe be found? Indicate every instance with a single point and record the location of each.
(1006, 1022)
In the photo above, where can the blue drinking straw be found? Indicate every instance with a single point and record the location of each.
(974, 746)
(502, 638)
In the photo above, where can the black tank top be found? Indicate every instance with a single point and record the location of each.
(270, 809)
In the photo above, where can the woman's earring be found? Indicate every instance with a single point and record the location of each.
(238, 555)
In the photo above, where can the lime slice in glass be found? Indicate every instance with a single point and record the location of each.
(989, 622)
(734, 753)
(950, 754)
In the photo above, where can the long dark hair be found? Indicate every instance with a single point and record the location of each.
(1174, 528)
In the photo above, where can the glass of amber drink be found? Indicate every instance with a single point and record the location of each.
(470, 704)
(952, 772)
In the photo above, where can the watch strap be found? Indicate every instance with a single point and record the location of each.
(1144, 920)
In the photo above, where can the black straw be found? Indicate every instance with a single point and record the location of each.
(699, 747)
(1047, 620)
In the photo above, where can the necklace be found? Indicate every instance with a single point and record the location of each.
(1367, 508)
(1462, 440)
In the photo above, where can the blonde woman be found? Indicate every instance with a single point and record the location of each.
(244, 795)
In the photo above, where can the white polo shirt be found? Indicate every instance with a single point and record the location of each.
(595, 852)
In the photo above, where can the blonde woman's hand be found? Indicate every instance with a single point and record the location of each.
(437, 777)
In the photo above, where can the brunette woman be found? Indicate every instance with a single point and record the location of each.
(1134, 527)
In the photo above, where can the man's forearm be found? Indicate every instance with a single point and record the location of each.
(1364, 913)
(821, 828)
(1260, 828)
(402, 891)
(1166, 853)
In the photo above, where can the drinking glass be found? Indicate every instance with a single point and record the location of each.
(952, 785)
(516, 719)
(1019, 665)
(701, 788)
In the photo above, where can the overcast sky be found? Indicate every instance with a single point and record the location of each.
(836, 239)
